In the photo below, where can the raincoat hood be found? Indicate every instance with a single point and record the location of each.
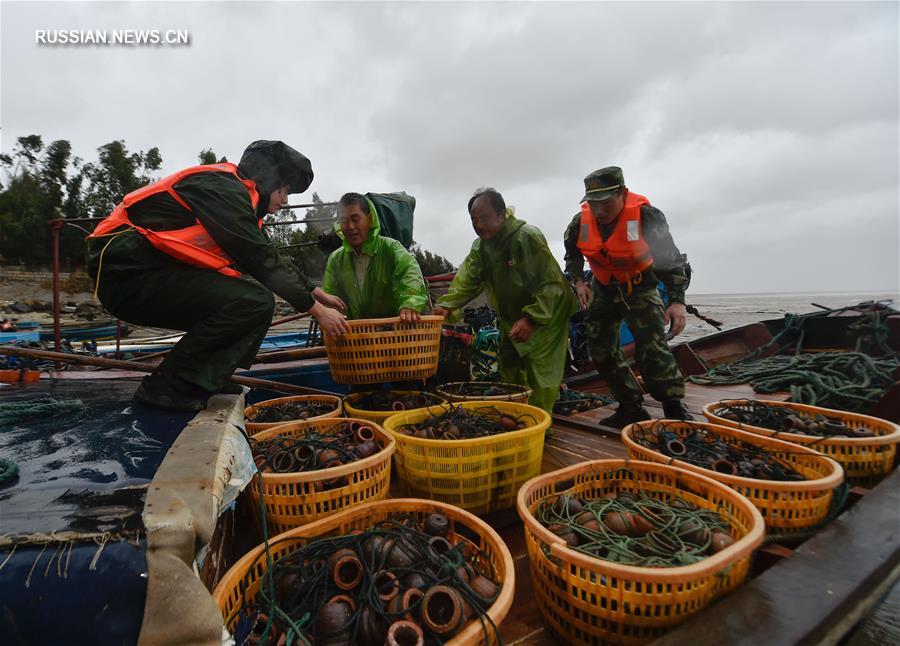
(273, 164)
(393, 280)
(374, 232)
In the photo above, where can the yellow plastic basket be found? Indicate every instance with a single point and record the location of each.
(450, 390)
(865, 460)
(787, 507)
(380, 350)
(295, 499)
(250, 412)
(586, 600)
(379, 416)
(479, 475)
(242, 581)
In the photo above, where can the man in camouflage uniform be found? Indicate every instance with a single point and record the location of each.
(629, 247)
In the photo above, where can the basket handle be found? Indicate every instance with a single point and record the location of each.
(395, 320)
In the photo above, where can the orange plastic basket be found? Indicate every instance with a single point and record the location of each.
(586, 600)
(351, 408)
(520, 394)
(244, 578)
(481, 474)
(787, 507)
(379, 350)
(865, 460)
(253, 428)
(292, 499)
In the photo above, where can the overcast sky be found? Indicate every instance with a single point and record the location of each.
(766, 132)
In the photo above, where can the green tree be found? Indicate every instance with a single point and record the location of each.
(35, 191)
(115, 174)
(303, 242)
(42, 183)
(321, 215)
(207, 156)
(431, 264)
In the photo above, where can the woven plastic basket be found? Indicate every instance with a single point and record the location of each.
(520, 394)
(250, 412)
(787, 507)
(379, 350)
(586, 600)
(243, 579)
(865, 460)
(479, 475)
(294, 499)
(379, 416)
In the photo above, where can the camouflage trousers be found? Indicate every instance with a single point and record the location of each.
(643, 312)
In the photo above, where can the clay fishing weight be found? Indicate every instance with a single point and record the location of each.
(637, 529)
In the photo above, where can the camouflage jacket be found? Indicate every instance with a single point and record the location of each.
(668, 262)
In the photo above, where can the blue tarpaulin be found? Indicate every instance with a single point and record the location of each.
(73, 563)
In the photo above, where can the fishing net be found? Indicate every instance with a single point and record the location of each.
(16, 411)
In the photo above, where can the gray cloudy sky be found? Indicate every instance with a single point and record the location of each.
(767, 132)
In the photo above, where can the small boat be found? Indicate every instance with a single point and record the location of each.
(809, 591)
(96, 331)
(19, 335)
(283, 341)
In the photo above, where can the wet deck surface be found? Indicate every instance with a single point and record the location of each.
(574, 439)
(571, 443)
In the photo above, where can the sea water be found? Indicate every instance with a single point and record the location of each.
(734, 310)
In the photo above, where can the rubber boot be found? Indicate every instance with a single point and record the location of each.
(674, 409)
(158, 391)
(626, 415)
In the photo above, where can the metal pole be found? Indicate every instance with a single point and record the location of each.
(115, 364)
(118, 337)
(278, 223)
(309, 206)
(55, 226)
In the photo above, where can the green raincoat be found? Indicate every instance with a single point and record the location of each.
(522, 278)
(393, 280)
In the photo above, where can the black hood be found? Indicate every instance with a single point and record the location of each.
(272, 164)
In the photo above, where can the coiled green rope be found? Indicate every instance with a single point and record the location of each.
(14, 411)
(851, 381)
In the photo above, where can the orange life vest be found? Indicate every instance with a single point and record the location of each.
(192, 244)
(625, 254)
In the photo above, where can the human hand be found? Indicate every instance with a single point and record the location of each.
(409, 316)
(440, 311)
(329, 300)
(330, 320)
(677, 314)
(584, 294)
(522, 329)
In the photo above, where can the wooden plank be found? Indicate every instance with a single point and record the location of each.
(687, 360)
(888, 407)
(728, 346)
(556, 458)
(578, 435)
(589, 450)
(810, 598)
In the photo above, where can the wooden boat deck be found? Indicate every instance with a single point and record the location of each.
(806, 593)
(577, 438)
(574, 439)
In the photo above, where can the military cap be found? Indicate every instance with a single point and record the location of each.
(600, 185)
